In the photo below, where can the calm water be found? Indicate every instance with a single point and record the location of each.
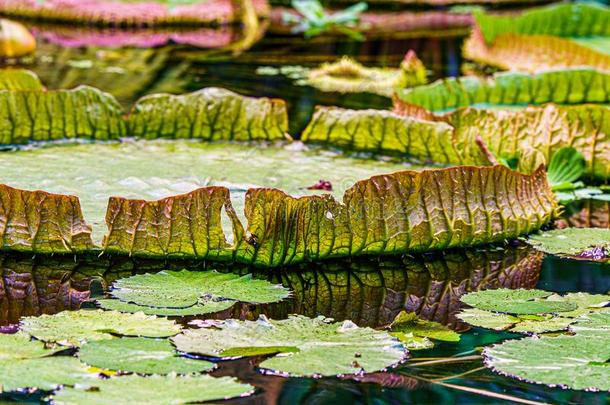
(368, 291)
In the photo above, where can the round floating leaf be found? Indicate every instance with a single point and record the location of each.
(191, 292)
(593, 325)
(308, 346)
(528, 323)
(151, 390)
(45, 373)
(416, 332)
(21, 346)
(576, 362)
(75, 327)
(487, 319)
(516, 301)
(571, 241)
(140, 355)
(210, 306)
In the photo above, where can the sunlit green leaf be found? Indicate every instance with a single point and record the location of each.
(160, 390)
(573, 242)
(139, 355)
(416, 332)
(516, 302)
(73, 328)
(45, 373)
(308, 346)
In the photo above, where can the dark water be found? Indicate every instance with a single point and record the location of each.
(368, 291)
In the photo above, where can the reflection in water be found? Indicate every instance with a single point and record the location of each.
(587, 213)
(370, 292)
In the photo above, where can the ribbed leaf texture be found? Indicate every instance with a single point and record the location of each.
(533, 134)
(34, 115)
(209, 114)
(573, 86)
(36, 221)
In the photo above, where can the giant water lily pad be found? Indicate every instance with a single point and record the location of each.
(139, 355)
(153, 390)
(557, 36)
(591, 243)
(130, 13)
(576, 362)
(190, 292)
(42, 373)
(455, 138)
(519, 302)
(306, 346)
(73, 328)
(512, 89)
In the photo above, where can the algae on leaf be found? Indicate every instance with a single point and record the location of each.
(139, 355)
(73, 328)
(306, 346)
(153, 390)
(585, 243)
(191, 292)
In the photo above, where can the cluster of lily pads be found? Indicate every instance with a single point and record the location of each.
(569, 346)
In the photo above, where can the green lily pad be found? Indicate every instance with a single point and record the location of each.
(72, 328)
(45, 373)
(518, 302)
(139, 355)
(194, 292)
(21, 346)
(576, 362)
(308, 346)
(204, 306)
(591, 325)
(19, 79)
(416, 333)
(529, 323)
(571, 241)
(153, 390)
(487, 319)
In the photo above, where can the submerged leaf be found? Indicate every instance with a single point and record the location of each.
(151, 390)
(517, 302)
(139, 355)
(72, 328)
(42, 373)
(415, 332)
(308, 346)
(572, 241)
(576, 362)
(193, 292)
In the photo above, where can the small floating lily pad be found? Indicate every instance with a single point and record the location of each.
(525, 302)
(140, 355)
(72, 328)
(21, 346)
(576, 362)
(307, 346)
(169, 389)
(45, 373)
(573, 242)
(416, 333)
(595, 324)
(190, 292)
(531, 323)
